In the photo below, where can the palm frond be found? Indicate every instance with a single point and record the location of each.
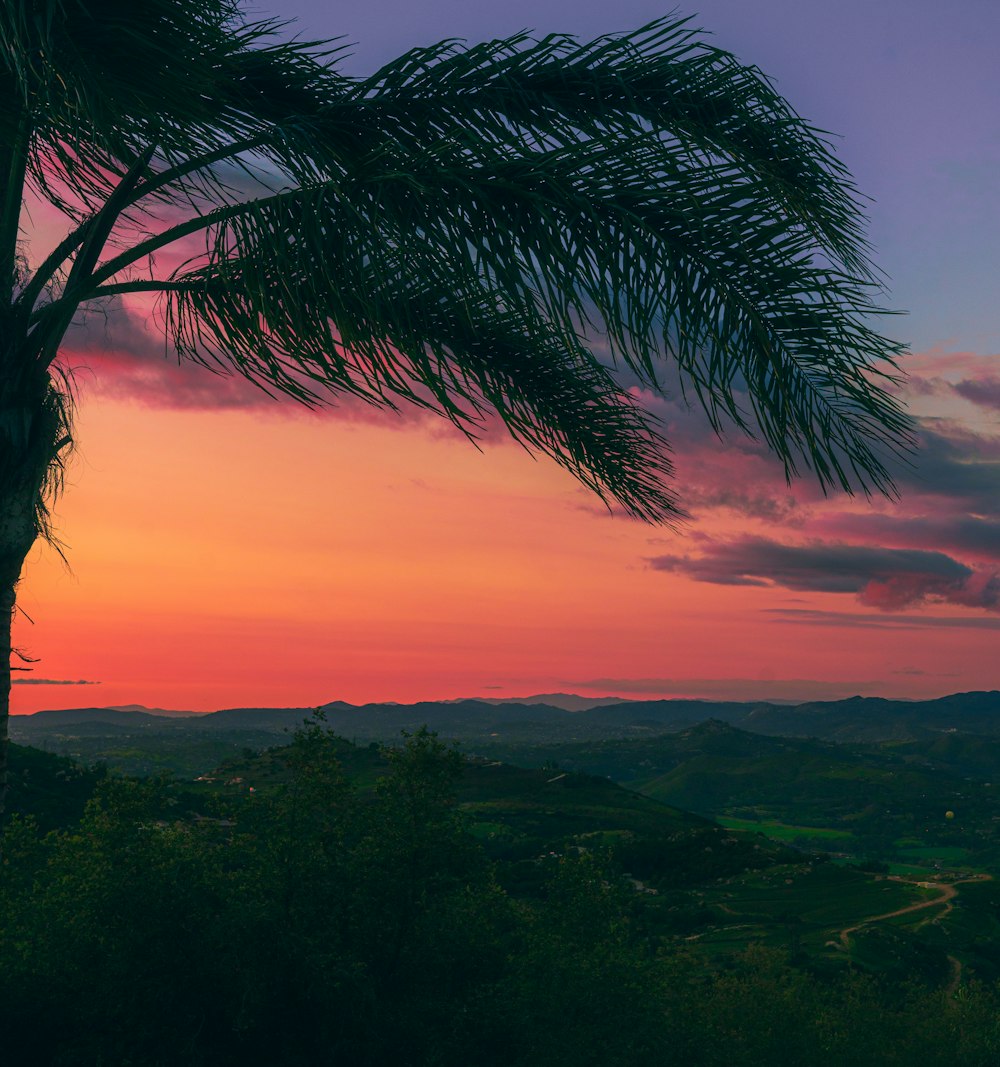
(459, 229)
(103, 80)
(387, 323)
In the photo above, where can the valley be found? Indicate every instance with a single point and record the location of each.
(876, 853)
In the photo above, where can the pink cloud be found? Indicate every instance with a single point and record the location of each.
(163, 383)
(981, 589)
(936, 363)
(123, 354)
(970, 535)
(983, 391)
(967, 375)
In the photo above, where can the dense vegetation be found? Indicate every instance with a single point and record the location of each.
(366, 906)
(888, 801)
(877, 787)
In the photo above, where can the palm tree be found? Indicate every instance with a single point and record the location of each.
(455, 231)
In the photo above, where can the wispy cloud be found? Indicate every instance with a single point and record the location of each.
(781, 690)
(808, 617)
(781, 509)
(51, 681)
(971, 376)
(916, 672)
(119, 353)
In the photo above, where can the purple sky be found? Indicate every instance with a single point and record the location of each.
(911, 88)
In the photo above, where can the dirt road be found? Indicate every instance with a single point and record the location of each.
(948, 893)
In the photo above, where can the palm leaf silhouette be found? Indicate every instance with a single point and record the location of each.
(503, 228)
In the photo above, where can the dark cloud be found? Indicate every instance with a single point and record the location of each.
(51, 681)
(740, 474)
(955, 462)
(982, 391)
(958, 533)
(981, 384)
(114, 327)
(780, 690)
(885, 578)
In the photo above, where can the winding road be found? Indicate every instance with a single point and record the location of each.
(948, 893)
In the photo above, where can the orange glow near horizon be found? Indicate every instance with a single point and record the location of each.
(223, 553)
(233, 558)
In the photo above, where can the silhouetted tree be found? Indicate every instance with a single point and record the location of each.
(454, 231)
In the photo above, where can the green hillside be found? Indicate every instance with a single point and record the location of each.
(323, 899)
(713, 889)
(758, 875)
(886, 802)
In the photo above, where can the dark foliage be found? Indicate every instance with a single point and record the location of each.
(320, 923)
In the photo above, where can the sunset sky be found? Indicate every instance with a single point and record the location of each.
(225, 550)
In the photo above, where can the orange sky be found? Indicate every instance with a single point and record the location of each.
(224, 553)
(223, 558)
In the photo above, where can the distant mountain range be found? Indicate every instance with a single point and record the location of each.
(124, 715)
(536, 719)
(566, 701)
(168, 712)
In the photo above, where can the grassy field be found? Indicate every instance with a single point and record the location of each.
(908, 870)
(941, 853)
(786, 832)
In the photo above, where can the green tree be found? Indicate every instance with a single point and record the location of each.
(455, 231)
(317, 922)
(336, 917)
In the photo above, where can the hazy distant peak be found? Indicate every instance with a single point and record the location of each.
(168, 712)
(566, 701)
(110, 712)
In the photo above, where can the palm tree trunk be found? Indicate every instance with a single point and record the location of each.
(34, 431)
(6, 618)
(18, 531)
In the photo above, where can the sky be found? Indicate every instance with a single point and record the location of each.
(223, 550)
